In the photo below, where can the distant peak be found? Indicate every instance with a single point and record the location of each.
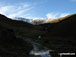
(2, 16)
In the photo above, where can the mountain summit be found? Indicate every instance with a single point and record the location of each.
(23, 19)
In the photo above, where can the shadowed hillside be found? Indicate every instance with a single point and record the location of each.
(10, 44)
(59, 36)
(66, 27)
(25, 29)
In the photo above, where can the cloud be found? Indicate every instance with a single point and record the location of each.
(63, 14)
(20, 13)
(18, 10)
(56, 15)
(5, 9)
(23, 10)
(51, 15)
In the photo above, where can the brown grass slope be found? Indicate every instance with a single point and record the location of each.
(59, 19)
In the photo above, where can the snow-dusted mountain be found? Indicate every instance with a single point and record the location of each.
(32, 21)
(23, 19)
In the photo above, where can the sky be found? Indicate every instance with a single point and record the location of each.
(37, 8)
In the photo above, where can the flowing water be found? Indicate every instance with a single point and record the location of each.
(38, 50)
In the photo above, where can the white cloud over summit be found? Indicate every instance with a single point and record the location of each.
(56, 15)
(51, 15)
(64, 14)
